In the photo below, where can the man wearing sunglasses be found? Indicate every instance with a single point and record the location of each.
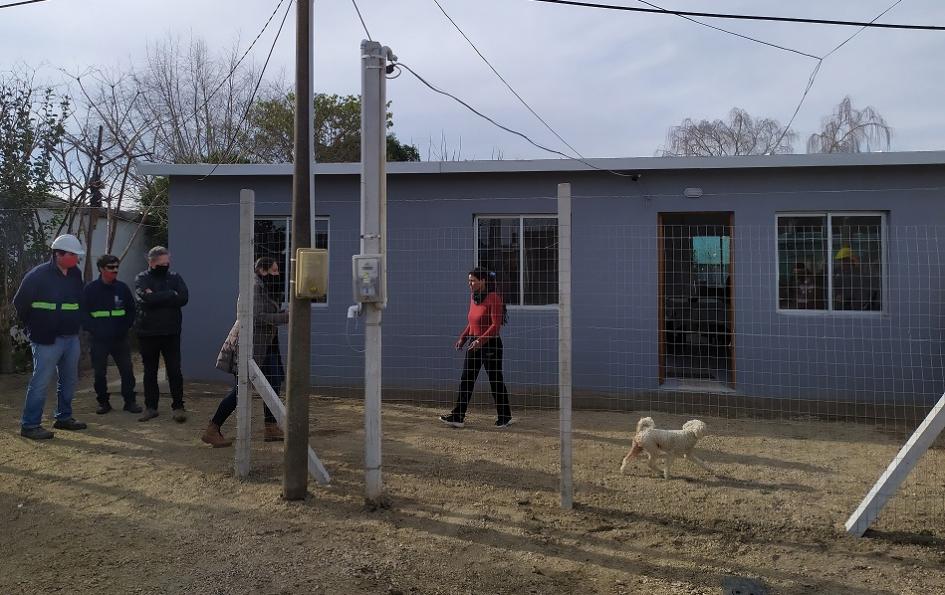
(109, 312)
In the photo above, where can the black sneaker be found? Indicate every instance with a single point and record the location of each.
(37, 433)
(452, 420)
(103, 407)
(503, 422)
(148, 414)
(179, 415)
(132, 407)
(69, 424)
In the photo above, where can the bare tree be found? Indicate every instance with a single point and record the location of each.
(740, 135)
(196, 102)
(849, 130)
(95, 159)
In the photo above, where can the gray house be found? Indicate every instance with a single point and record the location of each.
(802, 282)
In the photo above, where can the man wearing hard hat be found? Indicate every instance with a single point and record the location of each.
(848, 280)
(48, 304)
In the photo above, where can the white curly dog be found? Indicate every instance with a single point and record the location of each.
(671, 443)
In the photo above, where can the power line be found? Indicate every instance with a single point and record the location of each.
(505, 128)
(501, 78)
(745, 17)
(816, 71)
(363, 24)
(252, 97)
(733, 33)
(11, 5)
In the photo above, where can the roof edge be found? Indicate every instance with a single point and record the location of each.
(622, 164)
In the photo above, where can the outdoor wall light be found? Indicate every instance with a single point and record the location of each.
(692, 192)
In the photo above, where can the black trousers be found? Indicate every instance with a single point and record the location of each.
(120, 351)
(152, 348)
(489, 356)
(272, 369)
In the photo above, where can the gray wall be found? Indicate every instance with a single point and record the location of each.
(895, 356)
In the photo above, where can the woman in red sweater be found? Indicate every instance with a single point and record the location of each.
(486, 316)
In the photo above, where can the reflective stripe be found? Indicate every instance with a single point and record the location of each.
(70, 307)
(118, 312)
(100, 314)
(43, 306)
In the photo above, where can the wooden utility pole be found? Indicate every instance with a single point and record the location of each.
(295, 478)
(95, 203)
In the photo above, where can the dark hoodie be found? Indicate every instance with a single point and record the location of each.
(48, 303)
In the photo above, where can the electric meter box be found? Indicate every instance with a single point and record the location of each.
(311, 273)
(368, 276)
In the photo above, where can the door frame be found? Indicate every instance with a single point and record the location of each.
(661, 289)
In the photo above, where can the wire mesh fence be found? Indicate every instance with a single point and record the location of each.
(811, 347)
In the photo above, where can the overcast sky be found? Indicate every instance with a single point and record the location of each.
(611, 83)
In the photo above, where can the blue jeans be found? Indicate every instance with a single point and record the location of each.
(61, 357)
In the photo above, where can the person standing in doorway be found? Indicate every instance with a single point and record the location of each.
(486, 317)
(109, 310)
(160, 295)
(48, 303)
(268, 315)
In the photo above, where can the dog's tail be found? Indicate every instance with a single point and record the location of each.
(645, 423)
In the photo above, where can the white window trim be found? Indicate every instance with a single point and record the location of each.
(288, 227)
(829, 311)
(521, 254)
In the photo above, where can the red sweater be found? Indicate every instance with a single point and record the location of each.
(485, 319)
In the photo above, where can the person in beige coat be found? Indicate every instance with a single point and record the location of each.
(267, 316)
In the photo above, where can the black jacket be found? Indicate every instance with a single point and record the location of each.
(108, 309)
(159, 309)
(48, 303)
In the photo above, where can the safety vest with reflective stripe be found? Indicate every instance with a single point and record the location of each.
(67, 307)
(106, 313)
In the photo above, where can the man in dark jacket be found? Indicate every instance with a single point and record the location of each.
(160, 295)
(47, 303)
(109, 312)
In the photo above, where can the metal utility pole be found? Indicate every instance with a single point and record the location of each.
(295, 478)
(370, 276)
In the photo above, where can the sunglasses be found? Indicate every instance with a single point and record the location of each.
(111, 267)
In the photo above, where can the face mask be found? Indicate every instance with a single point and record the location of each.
(161, 270)
(68, 260)
(479, 296)
(109, 276)
(273, 285)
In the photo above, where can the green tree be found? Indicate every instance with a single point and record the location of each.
(337, 130)
(154, 203)
(31, 125)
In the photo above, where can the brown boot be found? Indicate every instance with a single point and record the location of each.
(214, 438)
(273, 433)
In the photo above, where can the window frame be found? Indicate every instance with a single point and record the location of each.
(521, 255)
(829, 310)
(288, 229)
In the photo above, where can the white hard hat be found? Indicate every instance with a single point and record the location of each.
(68, 243)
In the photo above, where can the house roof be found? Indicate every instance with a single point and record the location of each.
(622, 164)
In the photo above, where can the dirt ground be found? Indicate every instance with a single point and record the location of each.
(128, 507)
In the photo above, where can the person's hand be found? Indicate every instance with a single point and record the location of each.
(459, 343)
(475, 345)
(148, 291)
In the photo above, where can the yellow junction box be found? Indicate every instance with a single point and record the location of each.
(311, 273)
